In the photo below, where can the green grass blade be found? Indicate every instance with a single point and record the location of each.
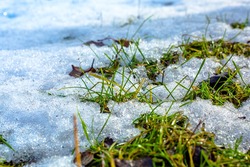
(3, 141)
(85, 128)
(202, 64)
(238, 71)
(103, 126)
(139, 28)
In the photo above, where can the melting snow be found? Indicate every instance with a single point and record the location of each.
(40, 40)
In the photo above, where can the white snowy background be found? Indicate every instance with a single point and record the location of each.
(41, 39)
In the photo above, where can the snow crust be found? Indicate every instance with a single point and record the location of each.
(40, 40)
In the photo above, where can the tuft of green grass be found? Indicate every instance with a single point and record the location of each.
(219, 49)
(235, 25)
(167, 141)
(171, 57)
(108, 89)
(111, 90)
(240, 25)
(230, 91)
(222, 89)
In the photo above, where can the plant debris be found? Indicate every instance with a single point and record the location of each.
(98, 43)
(243, 117)
(4, 142)
(101, 42)
(123, 42)
(78, 71)
(86, 157)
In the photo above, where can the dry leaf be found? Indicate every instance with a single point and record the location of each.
(98, 43)
(76, 72)
(123, 42)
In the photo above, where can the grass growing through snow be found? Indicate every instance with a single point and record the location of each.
(227, 90)
(219, 49)
(111, 90)
(127, 88)
(167, 140)
(236, 24)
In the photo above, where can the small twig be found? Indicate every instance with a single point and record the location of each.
(77, 152)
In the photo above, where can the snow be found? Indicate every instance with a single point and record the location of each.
(40, 40)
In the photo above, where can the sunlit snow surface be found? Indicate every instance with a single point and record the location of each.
(40, 40)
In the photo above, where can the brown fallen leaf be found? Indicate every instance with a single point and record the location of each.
(123, 42)
(76, 72)
(100, 42)
(91, 69)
